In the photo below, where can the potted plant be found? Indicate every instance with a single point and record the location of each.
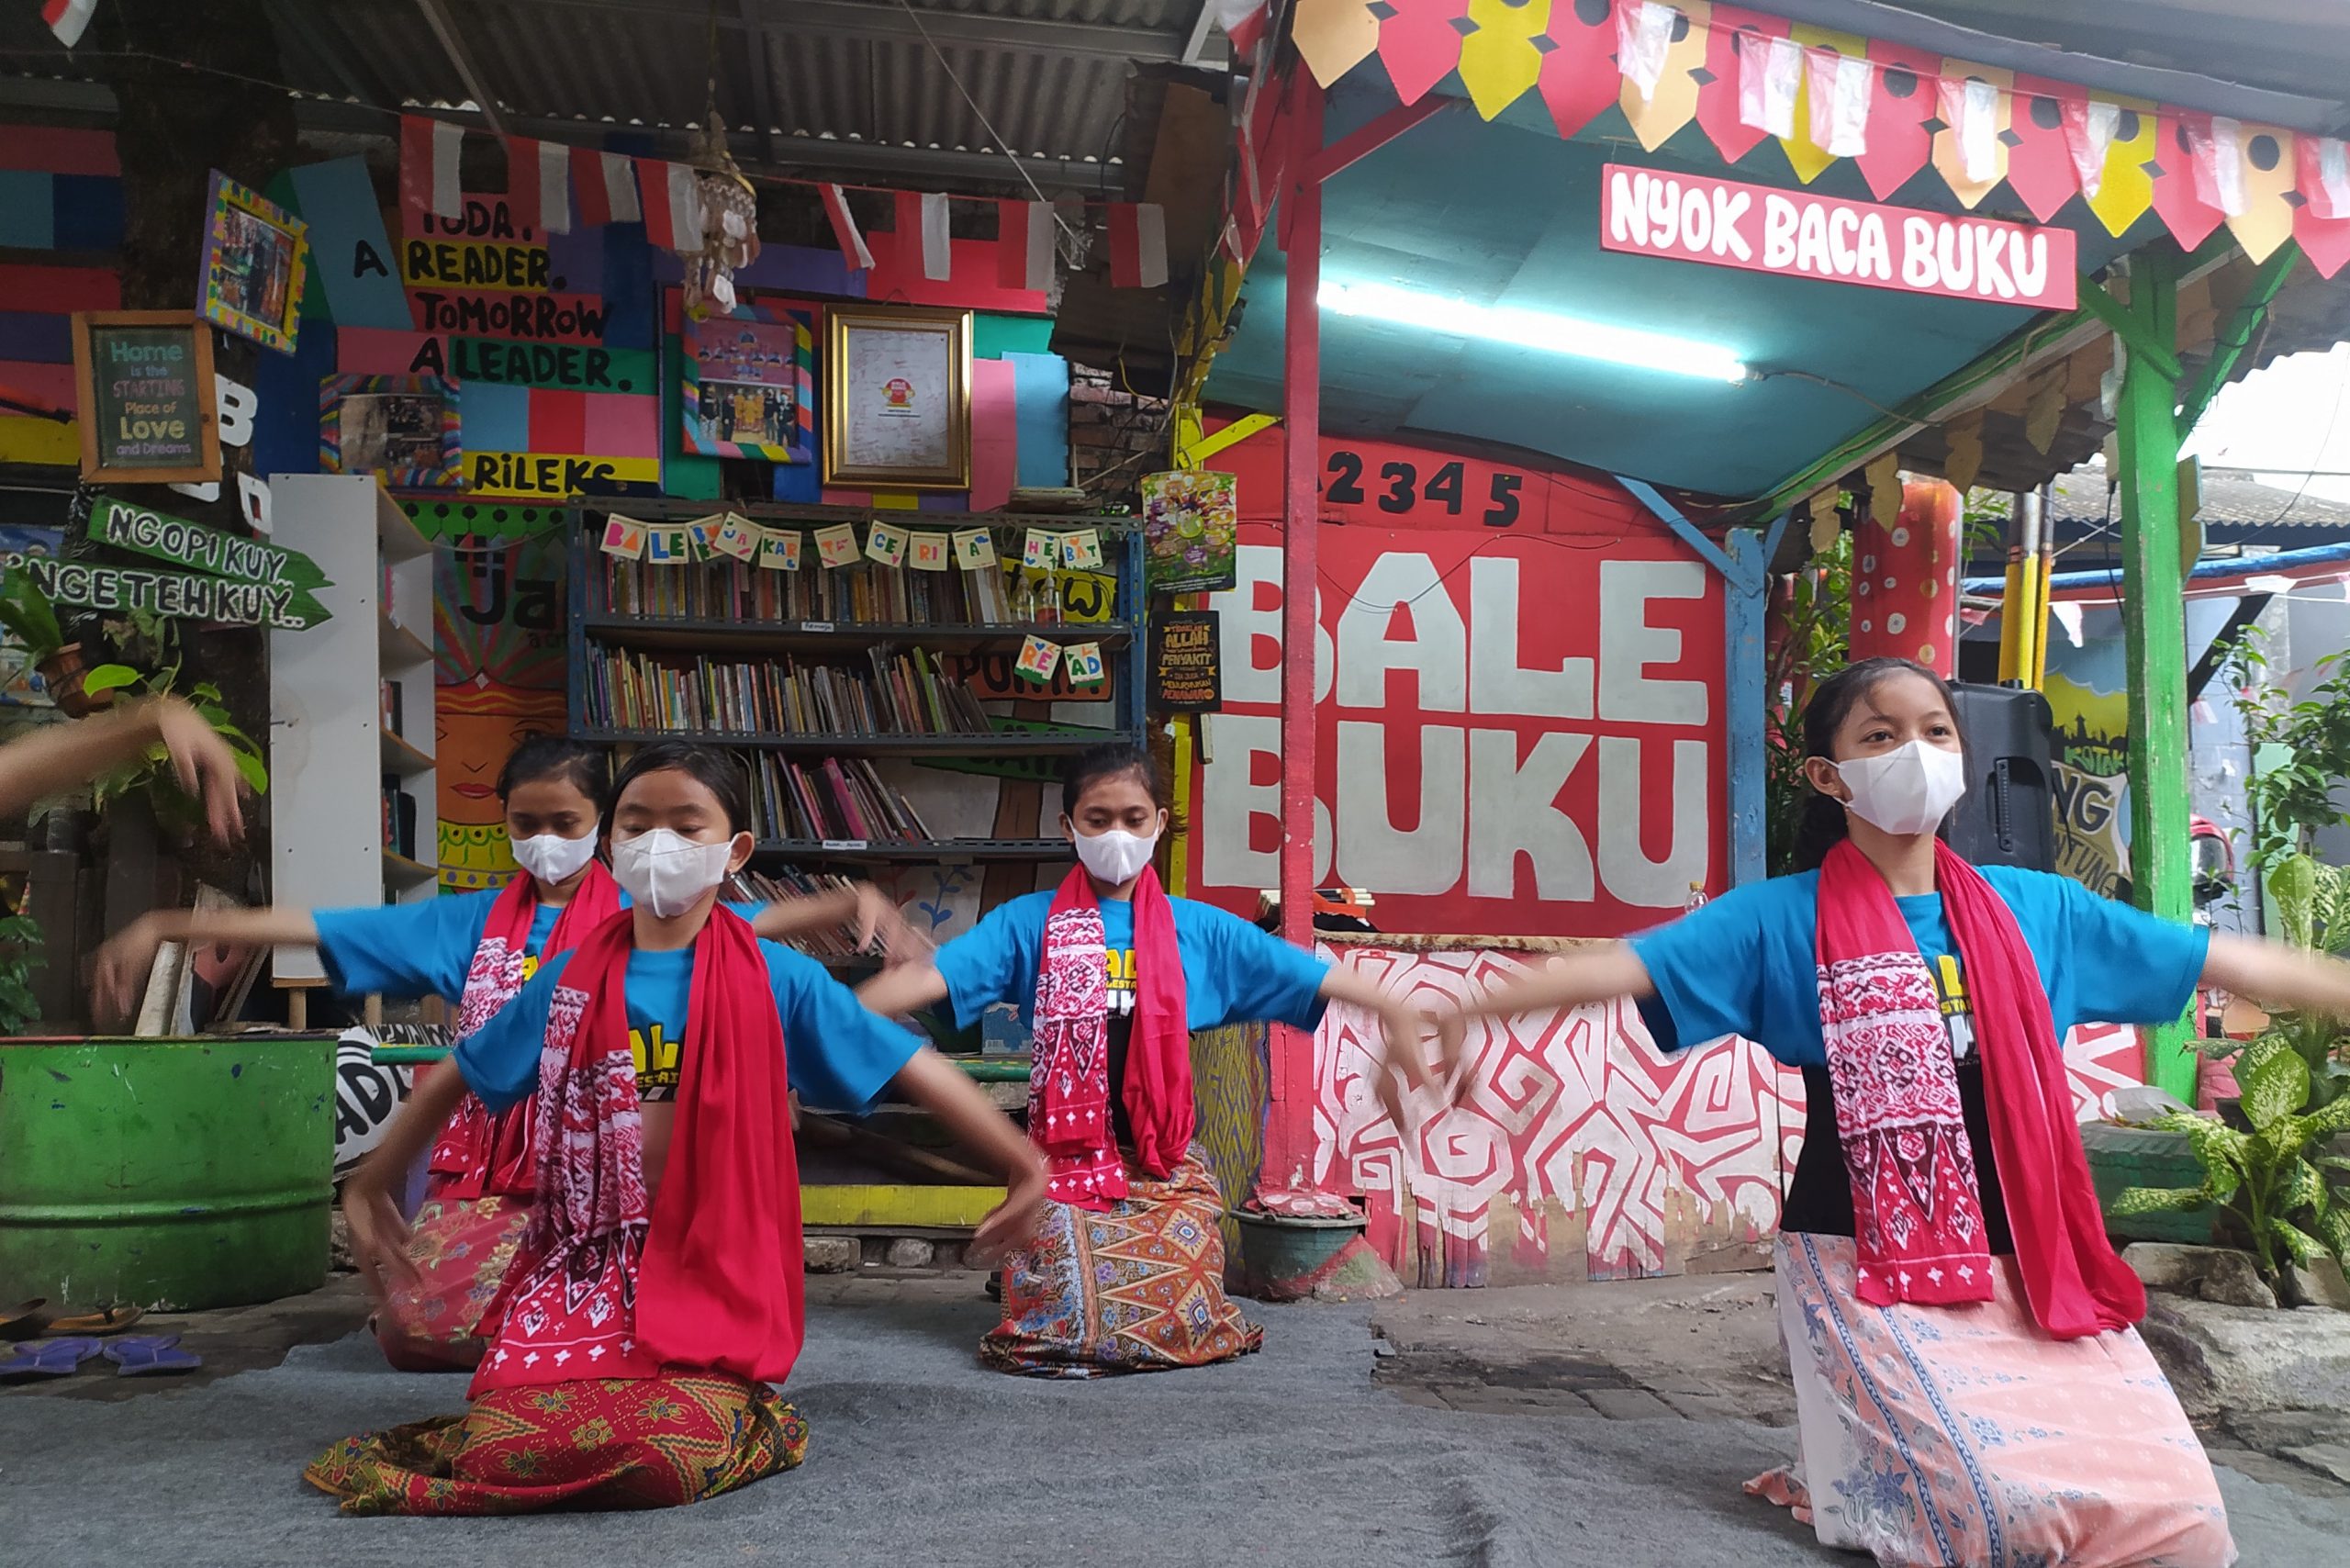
(32, 620)
(151, 776)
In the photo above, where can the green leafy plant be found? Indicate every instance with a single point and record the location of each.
(28, 616)
(152, 773)
(1813, 635)
(2294, 800)
(19, 957)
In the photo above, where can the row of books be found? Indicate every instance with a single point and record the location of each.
(896, 693)
(831, 801)
(789, 882)
(732, 590)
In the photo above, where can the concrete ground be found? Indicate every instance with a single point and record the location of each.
(1540, 1425)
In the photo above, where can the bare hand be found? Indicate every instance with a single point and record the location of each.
(206, 766)
(118, 980)
(379, 1235)
(879, 918)
(1011, 1224)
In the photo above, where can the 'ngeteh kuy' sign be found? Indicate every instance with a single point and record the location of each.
(1726, 223)
(181, 595)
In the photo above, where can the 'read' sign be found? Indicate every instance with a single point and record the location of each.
(1725, 223)
(1519, 703)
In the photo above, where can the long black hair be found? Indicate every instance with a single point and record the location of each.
(713, 769)
(1111, 759)
(1824, 823)
(586, 768)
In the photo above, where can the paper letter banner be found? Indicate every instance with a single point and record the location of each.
(624, 537)
(886, 543)
(1039, 551)
(779, 549)
(738, 537)
(975, 549)
(1038, 659)
(929, 552)
(837, 545)
(1083, 664)
(429, 165)
(668, 546)
(1082, 549)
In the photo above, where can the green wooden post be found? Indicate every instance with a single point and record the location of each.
(2155, 633)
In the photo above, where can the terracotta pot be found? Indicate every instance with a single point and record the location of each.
(61, 673)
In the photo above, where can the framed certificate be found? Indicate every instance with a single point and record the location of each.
(897, 398)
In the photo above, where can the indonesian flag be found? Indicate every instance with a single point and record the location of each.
(1138, 244)
(2090, 125)
(429, 165)
(1242, 22)
(1970, 106)
(845, 231)
(606, 186)
(1024, 245)
(1841, 87)
(923, 216)
(538, 184)
(2325, 175)
(1770, 71)
(672, 205)
(2215, 145)
(1643, 40)
(67, 19)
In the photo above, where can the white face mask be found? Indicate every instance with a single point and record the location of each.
(1116, 855)
(667, 871)
(1908, 789)
(552, 858)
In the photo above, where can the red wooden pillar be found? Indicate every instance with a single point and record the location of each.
(1289, 1121)
(1905, 579)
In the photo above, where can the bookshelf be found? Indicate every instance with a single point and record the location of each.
(353, 808)
(834, 682)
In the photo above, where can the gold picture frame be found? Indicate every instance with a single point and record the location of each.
(897, 408)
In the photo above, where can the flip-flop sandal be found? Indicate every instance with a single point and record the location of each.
(105, 1321)
(26, 1320)
(48, 1358)
(151, 1355)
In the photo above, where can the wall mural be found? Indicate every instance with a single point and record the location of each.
(1582, 1152)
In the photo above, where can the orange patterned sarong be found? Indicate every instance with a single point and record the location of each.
(656, 1443)
(461, 1248)
(1138, 1287)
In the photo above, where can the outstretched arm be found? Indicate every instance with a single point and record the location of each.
(378, 1234)
(2278, 976)
(864, 906)
(123, 964)
(904, 990)
(944, 1090)
(63, 756)
(1405, 1032)
(1579, 979)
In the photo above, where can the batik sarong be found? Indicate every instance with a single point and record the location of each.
(461, 1248)
(1966, 1437)
(1136, 1287)
(654, 1442)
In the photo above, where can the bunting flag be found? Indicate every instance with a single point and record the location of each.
(68, 18)
(1579, 77)
(428, 151)
(1138, 244)
(1888, 110)
(1024, 245)
(922, 222)
(1420, 44)
(538, 184)
(672, 218)
(845, 231)
(1738, 52)
(606, 183)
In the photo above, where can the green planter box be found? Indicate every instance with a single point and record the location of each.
(2138, 1156)
(173, 1174)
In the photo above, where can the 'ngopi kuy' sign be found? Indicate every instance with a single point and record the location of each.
(1725, 223)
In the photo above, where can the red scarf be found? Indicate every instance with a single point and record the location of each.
(479, 1154)
(1917, 1212)
(1068, 1082)
(706, 1277)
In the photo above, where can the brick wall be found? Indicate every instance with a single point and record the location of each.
(1114, 436)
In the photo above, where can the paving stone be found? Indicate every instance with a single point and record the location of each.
(1629, 1404)
(910, 1252)
(1703, 1406)
(829, 1254)
(2330, 1459)
(1425, 1398)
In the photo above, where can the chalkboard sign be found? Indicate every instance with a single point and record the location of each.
(147, 408)
(1185, 673)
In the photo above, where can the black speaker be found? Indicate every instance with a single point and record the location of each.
(2008, 815)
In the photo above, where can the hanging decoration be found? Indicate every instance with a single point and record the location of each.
(726, 235)
(1890, 110)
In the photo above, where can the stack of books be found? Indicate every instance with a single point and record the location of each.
(731, 591)
(899, 693)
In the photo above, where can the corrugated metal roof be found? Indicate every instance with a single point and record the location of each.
(2232, 499)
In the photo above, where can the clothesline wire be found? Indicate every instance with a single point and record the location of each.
(985, 124)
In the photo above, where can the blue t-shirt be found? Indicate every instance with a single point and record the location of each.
(426, 948)
(1747, 963)
(839, 1056)
(1232, 972)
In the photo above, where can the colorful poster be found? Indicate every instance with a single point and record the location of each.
(1191, 527)
(19, 686)
(748, 384)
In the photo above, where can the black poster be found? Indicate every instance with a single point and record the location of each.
(1185, 674)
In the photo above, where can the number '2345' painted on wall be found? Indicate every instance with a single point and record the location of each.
(1398, 490)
